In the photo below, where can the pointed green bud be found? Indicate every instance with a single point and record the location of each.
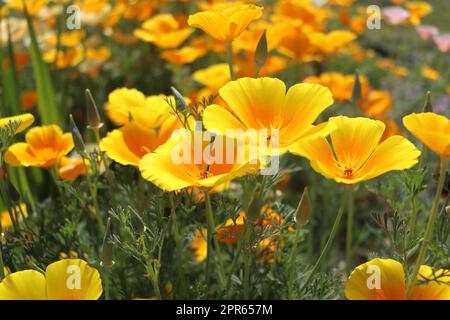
(261, 52)
(179, 100)
(428, 107)
(93, 116)
(77, 138)
(303, 211)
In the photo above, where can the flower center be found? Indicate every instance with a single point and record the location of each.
(348, 173)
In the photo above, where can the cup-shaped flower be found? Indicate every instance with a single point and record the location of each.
(264, 104)
(189, 159)
(44, 147)
(164, 31)
(69, 279)
(23, 121)
(356, 153)
(432, 129)
(384, 279)
(226, 24)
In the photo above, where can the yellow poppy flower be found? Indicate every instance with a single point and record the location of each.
(263, 103)
(125, 104)
(355, 153)
(181, 163)
(164, 31)
(332, 42)
(200, 245)
(24, 121)
(213, 77)
(32, 6)
(417, 10)
(226, 24)
(69, 279)
(430, 73)
(432, 129)
(6, 218)
(377, 104)
(384, 279)
(71, 169)
(129, 144)
(44, 147)
(183, 55)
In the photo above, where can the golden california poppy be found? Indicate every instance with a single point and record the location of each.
(181, 163)
(226, 24)
(24, 121)
(69, 279)
(263, 103)
(384, 279)
(355, 153)
(183, 55)
(44, 147)
(432, 129)
(164, 31)
(71, 169)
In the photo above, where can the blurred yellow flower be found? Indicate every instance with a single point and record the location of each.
(24, 121)
(355, 153)
(213, 77)
(432, 129)
(263, 103)
(377, 104)
(226, 24)
(200, 245)
(331, 42)
(6, 222)
(44, 147)
(69, 279)
(166, 171)
(183, 55)
(384, 279)
(32, 6)
(164, 31)
(17, 30)
(430, 73)
(71, 169)
(417, 10)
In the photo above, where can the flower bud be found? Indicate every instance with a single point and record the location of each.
(76, 135)
(261, 52)
(93, 116)
(303, 211)
(356, 94)
(428, 107)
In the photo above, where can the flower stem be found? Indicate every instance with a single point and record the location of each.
(429, 228)
(329, 241)
(350, 218)
(229, 46)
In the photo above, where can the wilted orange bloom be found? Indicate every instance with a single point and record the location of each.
(5, 217)
(391, 282)
(226, 24)
(170, 168)
(164, 31)
(341, 85)
(44, 147)
(355, 153)
(430, 73)
(183, 55)
(24, 121)
(417, 10)
(432, 129)
(71, 169)
(377, 104)
(263, 103)
(28, 99)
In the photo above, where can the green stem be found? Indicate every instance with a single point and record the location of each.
(350, 219)
(412, 222)
(429, 229)
(229, 46)
(329, 241)
(290, 268)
